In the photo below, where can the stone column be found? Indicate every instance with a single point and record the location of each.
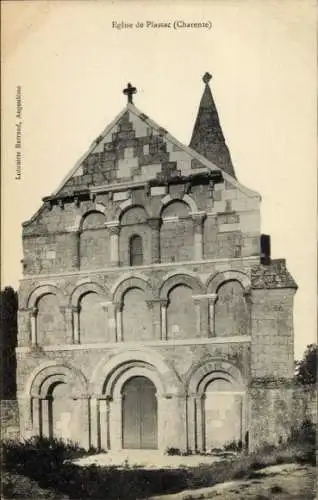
(114, 243)
(45, 416)
(162, 422)
(34, 313)
(83, 432)
(202, 312)
(198, 219)
(94, 422)
(119, 322)
(104, 423)
(36, 416)
(191, 422)
(197, 306)
(115, 428)
(154, 306)
(200, 438)
(155, 224)
(164, 326)
(212, 300)
(111, 321)
(76, 324)
(249, 305)
(108, 332)
(67, 312)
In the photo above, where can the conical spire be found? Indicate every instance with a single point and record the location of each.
(207, 136)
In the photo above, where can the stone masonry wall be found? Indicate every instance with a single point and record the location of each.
(272, 338)
(181, 357)
(276, 409)
(305, 404)
(9, 421)
(67, 291)
(58, 240)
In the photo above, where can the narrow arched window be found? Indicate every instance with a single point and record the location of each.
(135, 251)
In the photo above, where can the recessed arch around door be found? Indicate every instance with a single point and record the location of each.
(217, 405)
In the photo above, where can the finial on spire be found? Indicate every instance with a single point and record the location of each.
(129, 91)
(206, 77)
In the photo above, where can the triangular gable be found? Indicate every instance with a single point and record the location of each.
(135, 148)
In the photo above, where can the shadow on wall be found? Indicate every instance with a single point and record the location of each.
(8, 342)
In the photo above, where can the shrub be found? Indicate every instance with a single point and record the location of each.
(305, 433)
(234, 446)
(303, 439)
(39, 455)
(173, 451)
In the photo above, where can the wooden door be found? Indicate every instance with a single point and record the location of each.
(139, 414)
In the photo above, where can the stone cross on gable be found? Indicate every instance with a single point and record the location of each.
(129, 91)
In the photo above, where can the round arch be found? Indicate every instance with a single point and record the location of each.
(38, 292)
(87, 287)
(49, 373)
(132, 282)
(185, 198)
(114, 385)
(86, 214)
(123, 209)
(215, 281)
(181, 279)
(211, 369)
(107, 371)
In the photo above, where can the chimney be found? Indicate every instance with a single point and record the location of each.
(265, 257)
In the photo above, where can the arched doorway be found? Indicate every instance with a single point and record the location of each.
(222, 414)
(139, 414)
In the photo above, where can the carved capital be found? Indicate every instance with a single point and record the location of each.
(213, 298)
(150, 304)
(198, 219)
(34, 312)
(164, 303)
(114, 230)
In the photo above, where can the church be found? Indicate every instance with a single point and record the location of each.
(151, 314)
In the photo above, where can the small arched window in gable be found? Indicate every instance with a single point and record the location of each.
(135, 251)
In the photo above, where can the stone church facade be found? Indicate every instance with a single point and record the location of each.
(150, 315)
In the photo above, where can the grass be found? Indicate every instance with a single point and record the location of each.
(14, 485)
(48, 464)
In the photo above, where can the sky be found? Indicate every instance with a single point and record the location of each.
(72, 64)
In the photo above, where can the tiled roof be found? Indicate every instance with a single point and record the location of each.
(274, 275)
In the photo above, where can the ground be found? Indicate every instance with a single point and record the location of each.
(279, 482)
(149, 459)
(278, 473)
